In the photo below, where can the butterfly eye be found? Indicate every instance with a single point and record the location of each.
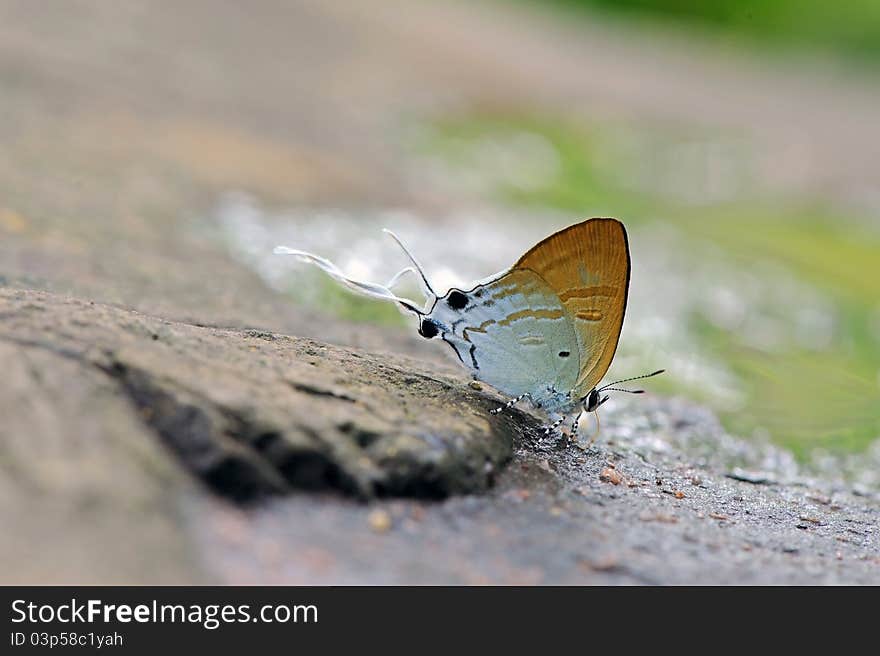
(428, 329)
(457, 300)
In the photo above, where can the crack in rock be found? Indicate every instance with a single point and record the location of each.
(200, 436)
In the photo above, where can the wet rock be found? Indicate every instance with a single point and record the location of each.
(254, 414)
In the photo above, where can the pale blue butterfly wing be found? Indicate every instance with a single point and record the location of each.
(514, 334)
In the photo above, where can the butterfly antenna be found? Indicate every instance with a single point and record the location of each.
(609, 386)
(429, 291)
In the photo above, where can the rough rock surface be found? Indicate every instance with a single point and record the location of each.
(252, 413)
(103, 405)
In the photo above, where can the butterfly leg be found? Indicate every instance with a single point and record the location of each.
(548, 440)
(574, 424)
(512, 402)
(552, 427)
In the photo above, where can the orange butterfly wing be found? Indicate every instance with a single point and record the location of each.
(588, 266)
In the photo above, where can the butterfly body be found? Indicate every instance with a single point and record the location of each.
(545, 329)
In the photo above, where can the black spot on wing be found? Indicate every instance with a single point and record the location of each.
(473, 356)
(428, 329)
(457, 300)
(564, 354)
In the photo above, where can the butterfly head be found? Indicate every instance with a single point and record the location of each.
(444, 310)
(593, 400)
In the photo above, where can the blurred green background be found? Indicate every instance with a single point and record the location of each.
(850, 28)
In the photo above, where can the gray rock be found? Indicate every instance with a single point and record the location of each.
(253, 414)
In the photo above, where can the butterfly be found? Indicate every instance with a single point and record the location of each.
(545, 329)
